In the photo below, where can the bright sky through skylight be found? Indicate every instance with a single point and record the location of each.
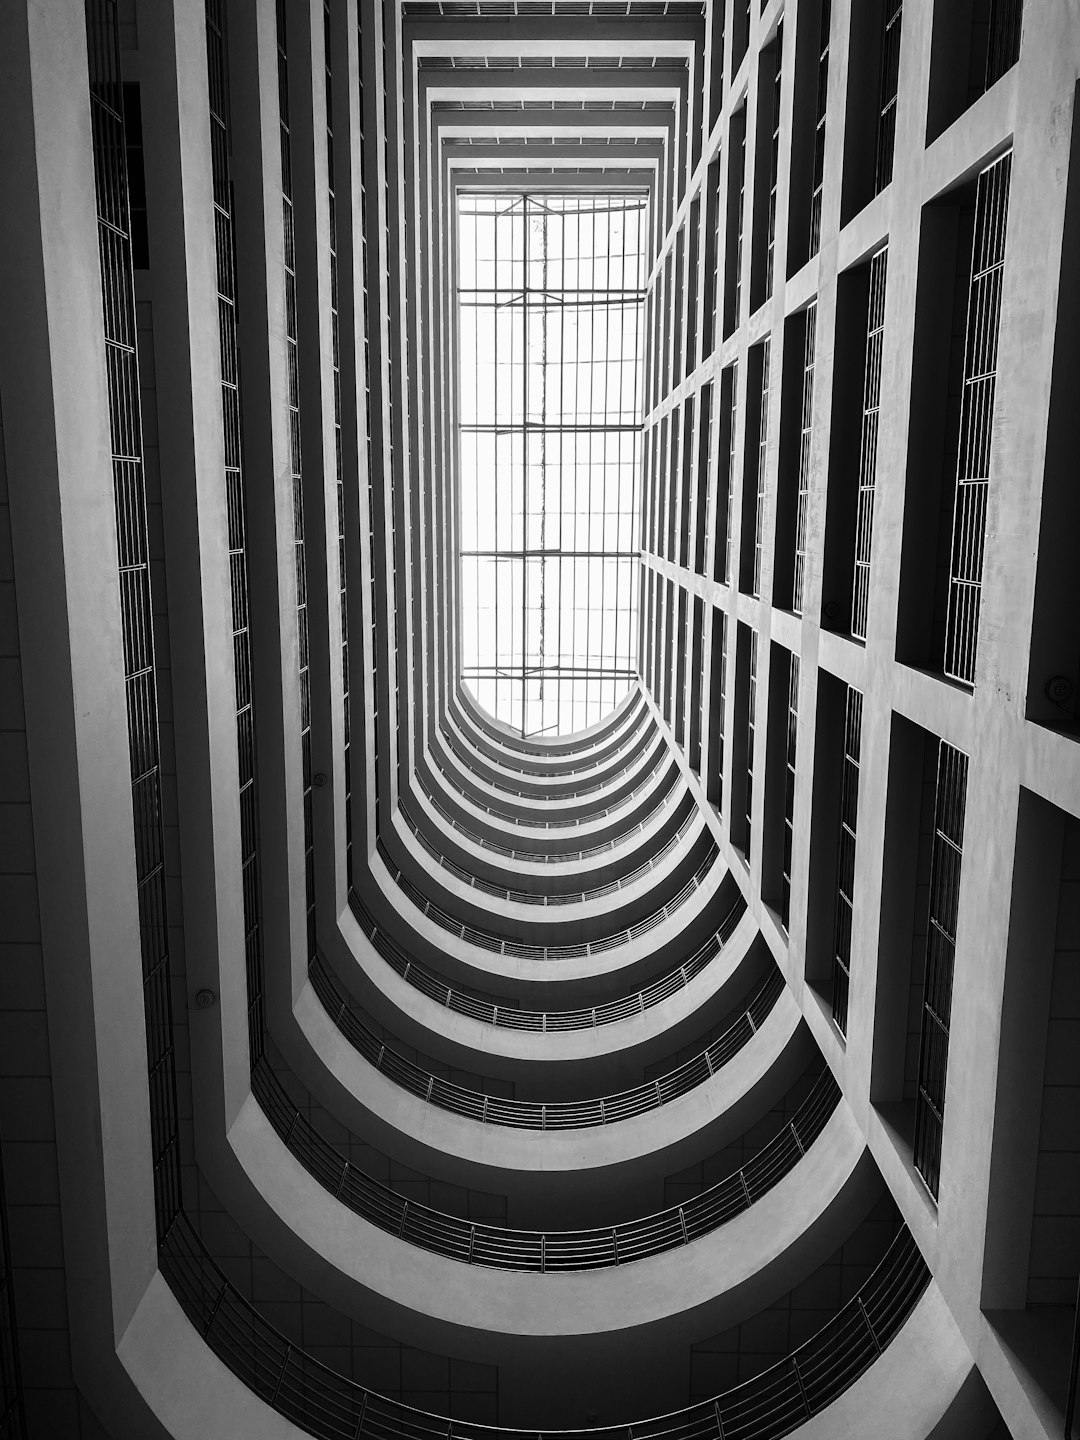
(550, 319)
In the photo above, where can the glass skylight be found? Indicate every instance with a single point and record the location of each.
(550, 332)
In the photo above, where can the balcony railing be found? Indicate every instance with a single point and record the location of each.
(499, 1247)
(529, 897)
(543, 788)
(534, 857)
(534, 1114)
(513, 1018)
(575, 753)
(332, 1407)
(539, 821)
(500, 945)
(655, 745)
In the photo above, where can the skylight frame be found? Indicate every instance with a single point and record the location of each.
(532, 566)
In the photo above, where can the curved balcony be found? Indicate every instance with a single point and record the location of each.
(521, 850)
(552, 1170)
(467, 775)
(605, 903)
(510, 1016)
(549, 899)
(544, 1115)
(503, 1248)
(546, 780)
(530, 805)
(571, 746)
(557, 765)
(791, 1394)
(473, 951)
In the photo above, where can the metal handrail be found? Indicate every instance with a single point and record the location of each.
(456, 741)
(501, 1248)
(511, 1017)
(632, 719)
(456, 746)
(653, 754)
(490, 940)
(535, 1114)
(536, 822)
(333, 1407)
(529, 897)
(551, 857)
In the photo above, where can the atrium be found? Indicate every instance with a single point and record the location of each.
(539, 788)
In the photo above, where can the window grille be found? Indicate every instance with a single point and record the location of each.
(976, 419)
(725, 485)
(739, 123)
(751, 721)
(292, 406)
(136, 599)
(947, 847)
(648, 491)
(663, 480)
(237, 508)
(1003, 45)
(645, 614)
(650, 349)
(774, 159)
(789, 788)
(343, 606)
(892, 17)
(678, 328)
(688, 467)
(717, 679)
(705, 477)
(138, 227)
(692, 241)
(669, 646)
(712, 307)
(669, 311)
(819, 126)
(697, 688)
(680, 658)
(845, 862)
(759, 478)
(656, 337)
(368, 225)
(806, 435)
(658, 637)
(671, 509)
(389, 491)
(649, 496)
(659, 483)
(868, 444)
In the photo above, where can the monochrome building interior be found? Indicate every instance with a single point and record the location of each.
(539, 773)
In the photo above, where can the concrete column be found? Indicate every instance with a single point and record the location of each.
(58, 448)
(176, 134)
(311, 201)
(260, 258)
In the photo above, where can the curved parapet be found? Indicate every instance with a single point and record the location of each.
(661, 1291)
(582, 1148)
(409, 991)
(893, 1352)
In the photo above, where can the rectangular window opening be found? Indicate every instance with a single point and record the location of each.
(550, 311)
(845, 864)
